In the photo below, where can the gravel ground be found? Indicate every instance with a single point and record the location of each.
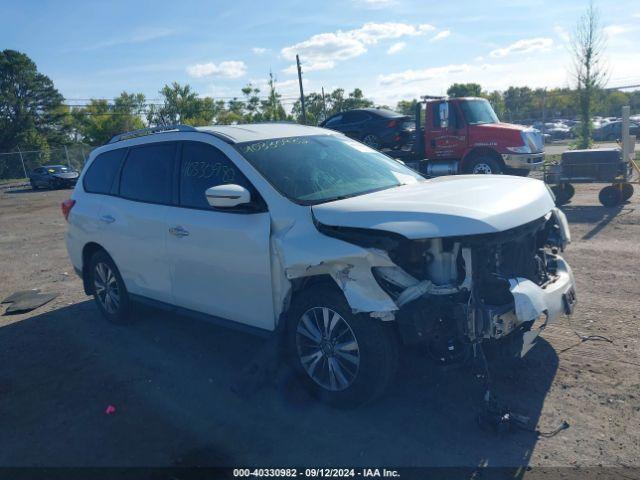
(169, 377)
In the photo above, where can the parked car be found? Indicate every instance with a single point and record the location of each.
(377, 127)
(53, 176)
(346, 255)
(612, 131)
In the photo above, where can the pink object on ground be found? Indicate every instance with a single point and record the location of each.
(110, 409)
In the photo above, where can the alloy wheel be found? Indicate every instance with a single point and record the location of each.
(106, 287)
(327, 348)
(372, 141)
(482, 169)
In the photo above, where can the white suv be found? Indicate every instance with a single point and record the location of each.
(301, 230)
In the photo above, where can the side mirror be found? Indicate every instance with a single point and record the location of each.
(227, 196)
(444, 115)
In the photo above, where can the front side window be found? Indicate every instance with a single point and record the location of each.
(320, 168)
(477, 112)
(204, 166)
(148, 172)
(103, 171)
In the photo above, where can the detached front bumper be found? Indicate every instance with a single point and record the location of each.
(535, 306)
(524, 161)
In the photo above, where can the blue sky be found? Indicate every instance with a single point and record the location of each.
(392, 49)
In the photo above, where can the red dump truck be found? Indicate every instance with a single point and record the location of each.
(464, 135)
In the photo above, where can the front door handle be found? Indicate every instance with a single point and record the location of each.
(178, 231)
(107, 219)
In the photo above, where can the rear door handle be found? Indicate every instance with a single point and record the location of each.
(178, 231)
(107, 219)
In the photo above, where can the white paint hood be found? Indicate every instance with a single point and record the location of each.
(444, 206)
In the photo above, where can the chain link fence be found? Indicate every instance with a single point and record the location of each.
(19, 164)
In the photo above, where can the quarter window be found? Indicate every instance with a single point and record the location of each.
(102, 171)
(203, 167)
(147, 173)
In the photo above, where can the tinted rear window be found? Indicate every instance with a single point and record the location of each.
(148, 172)
(102, 171)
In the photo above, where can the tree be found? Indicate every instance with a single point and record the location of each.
(406, 107)
(272, 109)
(587, 44)
(100, 120)
(31, 110)
(465, 90)
(182, 105)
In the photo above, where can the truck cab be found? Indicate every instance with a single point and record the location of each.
(464, 135)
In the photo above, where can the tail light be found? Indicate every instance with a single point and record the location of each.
(392, 124)
(66, 207)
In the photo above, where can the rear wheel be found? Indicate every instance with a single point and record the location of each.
(34, 186)
(372, 140)
(344, 359)
(108, 288)
(483, 165)
(610, 196)
(627, 191)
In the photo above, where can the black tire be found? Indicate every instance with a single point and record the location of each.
(610, 196)
(483, 165)
(569, 190)
(33, 185)
(120, 314)
(376, 347)
(627, 191)
(372, 141)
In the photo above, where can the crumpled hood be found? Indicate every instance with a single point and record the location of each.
(443, 207)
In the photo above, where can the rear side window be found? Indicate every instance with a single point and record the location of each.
(204, 166)
(147, 173)
(334, 120)
(103, 171)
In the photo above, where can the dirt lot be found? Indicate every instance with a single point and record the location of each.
(169, 377)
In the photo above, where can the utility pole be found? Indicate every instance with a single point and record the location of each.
(66, 154)
(544, 111)
(324, 105)
(304, 112)
(22, 160)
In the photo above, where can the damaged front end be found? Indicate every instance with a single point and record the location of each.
(451, 293)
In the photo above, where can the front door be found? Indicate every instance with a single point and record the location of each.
(220, 259)
(446, 135)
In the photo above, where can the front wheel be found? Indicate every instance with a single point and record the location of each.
(344, 359)
(610, 196)
(483, 166)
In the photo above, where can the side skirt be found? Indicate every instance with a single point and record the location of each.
(218, 321)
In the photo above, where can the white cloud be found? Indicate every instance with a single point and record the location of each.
(409, 76)
(527, 45)
(562, 33)
(396, 47)
(440, 36)
(323, 50)
(613, 30)
(227, 69)
(259, 50)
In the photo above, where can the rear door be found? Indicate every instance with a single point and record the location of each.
(134, 221)
(220, 258)
(445, 140)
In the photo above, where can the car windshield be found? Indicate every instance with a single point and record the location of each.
(317, 169)
(478, 111)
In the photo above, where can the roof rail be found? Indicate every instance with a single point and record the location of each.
(150, 131)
